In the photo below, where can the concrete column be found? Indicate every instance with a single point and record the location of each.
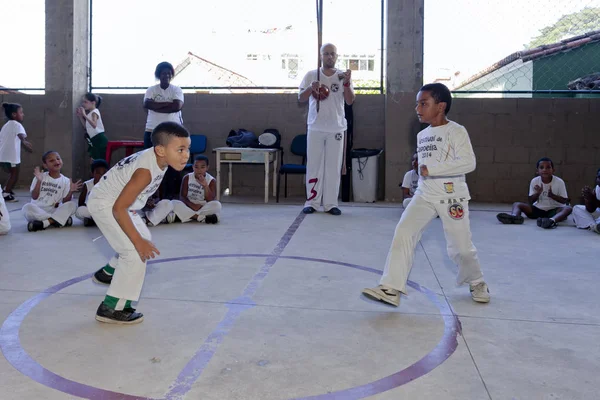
(67, 43)
(404, 78)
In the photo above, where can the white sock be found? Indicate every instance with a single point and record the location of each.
(46, 223)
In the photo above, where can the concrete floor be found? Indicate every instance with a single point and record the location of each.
(281, 316)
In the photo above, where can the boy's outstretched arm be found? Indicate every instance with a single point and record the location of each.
(464, 157)
(138, 182)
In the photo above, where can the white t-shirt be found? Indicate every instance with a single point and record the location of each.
(110, 186)
(447, 152)
(331, 117)
(544, 202)
(411, 181)
(161, 95)
(99, 125)
(52, 191)
(195, 190)
(10, 144)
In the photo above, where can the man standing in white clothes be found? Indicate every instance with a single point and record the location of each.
(326, 130)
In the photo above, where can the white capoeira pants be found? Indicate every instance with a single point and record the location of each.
(4, 218)
(130, 270)
(83, 212)
(414, 220)
(406, 202)
(324, 156)
(584, 219)
(159, 212)
(185, 213)
(61, 214)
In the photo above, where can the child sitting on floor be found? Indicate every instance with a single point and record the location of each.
(99, 168)
(588, 216)
(198, 191)
(410, 181)
(51, 194)
(548, 199)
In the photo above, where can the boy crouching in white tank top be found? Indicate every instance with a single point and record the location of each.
(114, 205)
(198, 192)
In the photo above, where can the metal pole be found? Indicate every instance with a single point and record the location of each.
(91, 8)
(382, 44)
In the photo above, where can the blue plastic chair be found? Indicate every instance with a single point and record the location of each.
(298, 148)
(198, 147)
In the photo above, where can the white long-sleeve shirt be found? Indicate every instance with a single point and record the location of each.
(447, 152)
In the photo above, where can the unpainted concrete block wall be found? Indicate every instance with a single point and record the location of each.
(508, 135)
(212, 115)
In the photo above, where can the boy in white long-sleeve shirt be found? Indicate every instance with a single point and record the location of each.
(445, 155)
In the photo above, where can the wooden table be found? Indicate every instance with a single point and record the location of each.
(235, 155)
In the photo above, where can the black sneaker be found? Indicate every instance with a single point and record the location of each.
(308, 210)
(35, 226)
(102, 277)
(9, 198)
(335, 211)
(510, 219)
(211, 219)
(88, 222)
(127, 316)
(546, 223)
(69, 222)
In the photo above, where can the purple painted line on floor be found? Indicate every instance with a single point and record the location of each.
(18, 357)
(194, 368)
(13, 351)
(442, 351)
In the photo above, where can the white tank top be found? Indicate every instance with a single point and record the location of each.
(99, 125)
(110, 186)
(195, 190)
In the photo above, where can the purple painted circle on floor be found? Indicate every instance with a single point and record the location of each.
(10, 343)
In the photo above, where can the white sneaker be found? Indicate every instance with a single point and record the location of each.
(382, 293)
(480, 292)
(171, 217)
(595, 228)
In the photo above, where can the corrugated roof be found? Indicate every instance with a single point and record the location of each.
(536, 53)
